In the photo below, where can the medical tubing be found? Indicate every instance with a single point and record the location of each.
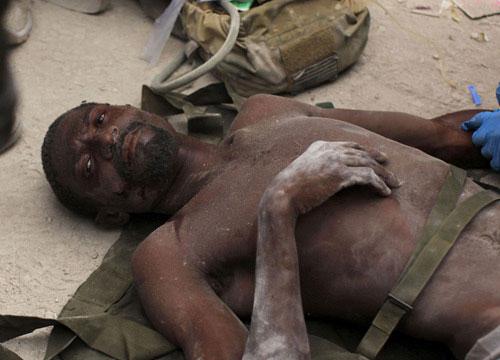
(159, 86)
(161, 32)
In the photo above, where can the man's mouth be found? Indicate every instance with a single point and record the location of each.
(129, 145)
(143, 153)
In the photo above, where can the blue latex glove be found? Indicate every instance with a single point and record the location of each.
(486, 127)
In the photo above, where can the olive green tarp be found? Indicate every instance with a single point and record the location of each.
(104, 320)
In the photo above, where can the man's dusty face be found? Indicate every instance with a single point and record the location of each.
(141, 158)
(118, 156)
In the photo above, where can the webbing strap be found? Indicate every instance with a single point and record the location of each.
(433, 248)
(445, 203)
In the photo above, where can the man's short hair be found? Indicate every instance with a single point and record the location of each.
(64, 194)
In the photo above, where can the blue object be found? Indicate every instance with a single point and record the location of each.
(486, 127)
(476, 99)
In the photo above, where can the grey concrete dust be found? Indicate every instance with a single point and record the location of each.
(46, 252)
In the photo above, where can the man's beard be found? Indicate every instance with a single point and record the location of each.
(152, 162)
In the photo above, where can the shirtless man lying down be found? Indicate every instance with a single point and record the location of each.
(196, 273)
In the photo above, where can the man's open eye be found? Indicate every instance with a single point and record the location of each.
(100, 119)
(88, 167)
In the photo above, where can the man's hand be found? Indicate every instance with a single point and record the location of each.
(278, 329)
(328, 167)
(486, 127)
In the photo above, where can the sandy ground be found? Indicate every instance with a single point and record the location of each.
(46, 252)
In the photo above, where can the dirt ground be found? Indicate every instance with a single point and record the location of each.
(46, 252)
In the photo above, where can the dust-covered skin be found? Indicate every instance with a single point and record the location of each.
(278, 329)
(195, 274)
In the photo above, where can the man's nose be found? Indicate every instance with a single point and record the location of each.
(106, 140)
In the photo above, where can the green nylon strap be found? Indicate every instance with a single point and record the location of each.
(402, 297)
(445, 203)
(377, 334)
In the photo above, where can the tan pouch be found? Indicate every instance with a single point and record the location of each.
(283, 45)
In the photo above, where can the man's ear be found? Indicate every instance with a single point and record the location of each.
(111, 218)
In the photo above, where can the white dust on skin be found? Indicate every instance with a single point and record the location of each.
(322, 159)
(325, 168)
(48, 252)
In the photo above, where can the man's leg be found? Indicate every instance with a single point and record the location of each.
(278, 328)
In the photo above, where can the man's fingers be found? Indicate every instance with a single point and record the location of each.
(365, 160)
(389, 178)
(376, 155)
(381, 187)
(368, 176)
(352, 144)
(369, 165)
(474, 123)
(380, 156)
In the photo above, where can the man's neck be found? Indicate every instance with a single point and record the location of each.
(196, 162)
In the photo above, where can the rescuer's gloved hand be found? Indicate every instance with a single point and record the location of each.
(486, 127)
(498, 93)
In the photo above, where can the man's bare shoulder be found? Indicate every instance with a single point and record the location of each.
(165, 236)
(294, 132)
(178, 243)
